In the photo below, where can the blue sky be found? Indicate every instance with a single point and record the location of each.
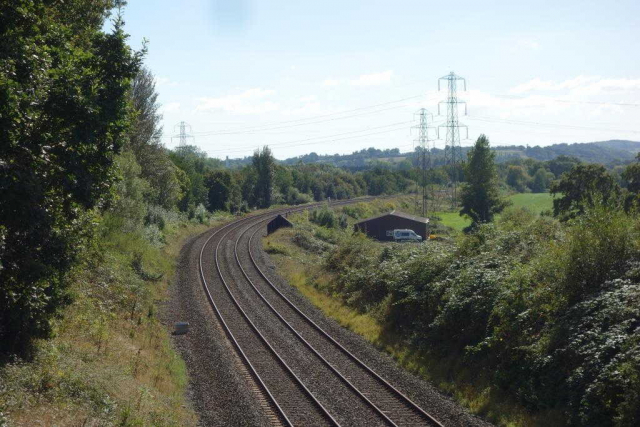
(338, 76)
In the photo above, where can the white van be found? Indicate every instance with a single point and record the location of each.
(406, 236)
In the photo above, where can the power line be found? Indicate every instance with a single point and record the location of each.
(303, 124)
(270, 126)
(569, 101)
(452, 148)
(324, 139)
(183, 136)
(556, 125)
(425, 153)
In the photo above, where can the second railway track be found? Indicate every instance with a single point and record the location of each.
(306, 375)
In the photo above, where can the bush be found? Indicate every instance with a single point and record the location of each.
(323, 217)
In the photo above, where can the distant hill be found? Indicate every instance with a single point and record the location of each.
(605, 152)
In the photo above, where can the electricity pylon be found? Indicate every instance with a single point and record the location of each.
(452, 149)
(425, 152)
(183, 135)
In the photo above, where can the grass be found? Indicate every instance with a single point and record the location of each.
(110, 361)
(535, 202)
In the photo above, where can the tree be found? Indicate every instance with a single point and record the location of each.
(480, 196)
(562, 164)
(517, 178)
(582, 187)
(63, 115)
(541, 180)
(144, 141)
(222, 187)
(632, 177)
(264, 165)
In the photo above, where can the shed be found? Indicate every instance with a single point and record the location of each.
(381, 227)
(278, 222)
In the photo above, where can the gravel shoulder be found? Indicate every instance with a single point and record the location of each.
(219, 393)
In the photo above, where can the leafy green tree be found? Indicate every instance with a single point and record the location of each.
(63, 114)
(517, 178)
(130, 189)
(195, 164)
(562, 164)
(480, 195)
(223, 190)
(631, 175)
(144, 140)
(583, 186)
(264, 167)
(541, 180)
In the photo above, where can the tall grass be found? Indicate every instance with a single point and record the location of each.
(111, 361)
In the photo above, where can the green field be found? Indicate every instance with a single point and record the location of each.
(535, 202)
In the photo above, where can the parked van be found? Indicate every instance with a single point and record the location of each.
(406, 236)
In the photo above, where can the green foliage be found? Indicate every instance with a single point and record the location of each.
(324, 217)
(144, 141)
(541, 181)
(517, 178)
(631, 175)
(263, 165)
(63, 115)
(480, 197)
(222, 188)
(548, 309)
(582, 187)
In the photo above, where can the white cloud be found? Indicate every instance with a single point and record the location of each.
(373, 79)
(331, 82)
(170, 107)
(250, 101)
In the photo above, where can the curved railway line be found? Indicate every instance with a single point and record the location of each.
(305, 376)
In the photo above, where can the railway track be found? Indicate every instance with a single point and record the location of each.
(306, 376)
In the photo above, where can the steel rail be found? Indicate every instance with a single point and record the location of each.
(264, 340)
(374, 374)
(280, 412)
(230, 335)
(302, 340)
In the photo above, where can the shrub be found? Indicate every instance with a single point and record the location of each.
(323, 217)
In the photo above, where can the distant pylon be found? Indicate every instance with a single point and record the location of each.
(425, 152)
(452, 149)
(183, 135)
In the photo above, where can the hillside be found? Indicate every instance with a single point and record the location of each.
(606, 152)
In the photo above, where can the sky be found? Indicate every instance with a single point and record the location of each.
(339, 76)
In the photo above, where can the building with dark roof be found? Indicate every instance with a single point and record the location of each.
(381, 227)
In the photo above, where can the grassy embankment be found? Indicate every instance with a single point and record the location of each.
(304, 269)
(111, 361)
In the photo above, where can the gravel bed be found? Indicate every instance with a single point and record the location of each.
(339, 400)
(442, 407)
(219, 393)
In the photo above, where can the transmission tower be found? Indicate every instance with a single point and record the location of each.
(183, 135)
(424, 159)
(452, 149)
